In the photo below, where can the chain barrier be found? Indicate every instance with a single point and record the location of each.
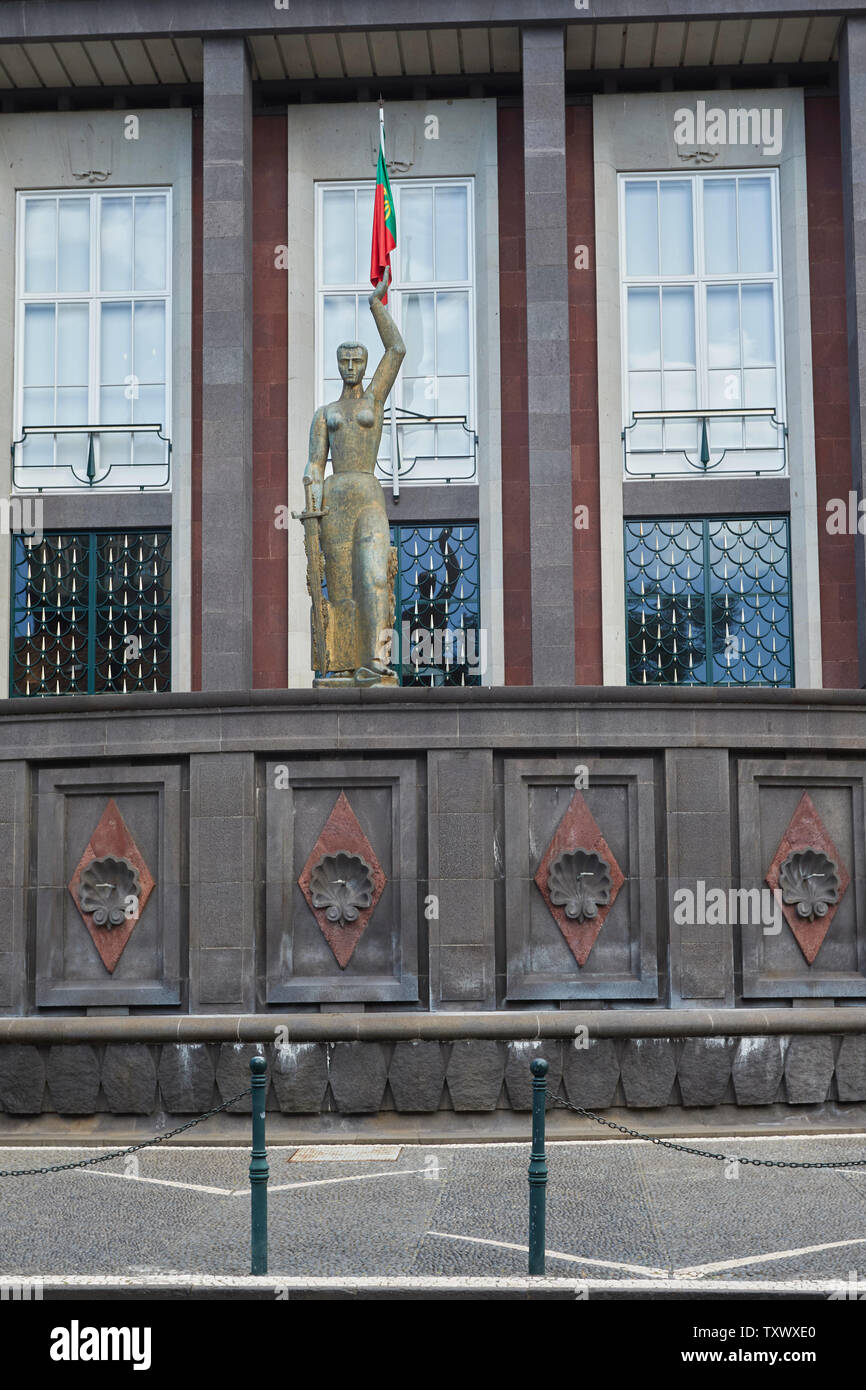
(122, 1153)
(848, 1163)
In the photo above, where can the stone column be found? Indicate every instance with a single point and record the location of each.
(550, 499)
(221, 883)
(14, 839)
(852, 103)
(461, 868)
(697, 788)
(227, 375)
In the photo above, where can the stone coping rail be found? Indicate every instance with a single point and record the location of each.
(445, 1027)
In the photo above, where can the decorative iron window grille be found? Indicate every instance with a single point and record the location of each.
(437, 591)
(91, 613)
(708, 602)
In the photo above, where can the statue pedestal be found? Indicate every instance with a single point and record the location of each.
(360, 678)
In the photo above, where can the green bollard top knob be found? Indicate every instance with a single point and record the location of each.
(259, 1065)
(538, 1067)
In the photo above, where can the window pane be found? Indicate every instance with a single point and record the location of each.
(415, 234)
(38, 407)
(149, 409)
(115, 259)
(338, 325)
(759, 342)
(723, 326)
(452, 260)
(418, 332)
(115, 354)
(74, 248)
(678, 327)
(761, 388)
(150, 238)
(149, 344)
(641, 229)
(421, 394)
(338, 224)
(677, 236)
(756, 225)
(40, 242)
(72, 345)
(71, 449)
(452, 324)
(452, 399)
(720, 226)
(115, 408)
(680, 394)
(645, 393)
(363, 234)
(644, 346)
(72, 408)
(39, 345)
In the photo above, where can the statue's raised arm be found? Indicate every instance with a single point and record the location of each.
(395, 349)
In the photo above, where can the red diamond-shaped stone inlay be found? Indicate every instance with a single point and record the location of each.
(578, 830)
(341, 833)
(113, 837)
(806, 830)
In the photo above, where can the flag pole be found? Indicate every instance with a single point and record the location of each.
(395, 469)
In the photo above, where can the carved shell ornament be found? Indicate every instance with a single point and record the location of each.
(342, 884)
(579, 881)
(104, 888)
(809, 879)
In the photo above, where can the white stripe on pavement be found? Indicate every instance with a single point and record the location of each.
(555, 1254)
(695, 1271)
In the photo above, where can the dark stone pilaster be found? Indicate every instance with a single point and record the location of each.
(14, 831)
(549, 395)
(227, 377)
(697, 786)
(221, 887)
(461, 868)
(852, 112)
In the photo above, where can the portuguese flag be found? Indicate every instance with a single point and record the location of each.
(384, 217)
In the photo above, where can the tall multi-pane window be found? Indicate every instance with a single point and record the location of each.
(93, 339)
(702, 331)
(708, 602)
(91, 612)
(432, 302)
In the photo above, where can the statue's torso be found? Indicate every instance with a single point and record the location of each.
(354, 432)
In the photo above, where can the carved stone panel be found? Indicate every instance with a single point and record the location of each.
(580, 879)
(341, 881)
(108, 889)
(802, 833)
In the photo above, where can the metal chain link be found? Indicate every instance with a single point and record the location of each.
(559, 1103)
(121, 1153)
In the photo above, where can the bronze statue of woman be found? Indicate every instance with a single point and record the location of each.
(346, 518)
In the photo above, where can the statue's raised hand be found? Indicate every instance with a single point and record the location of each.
(382, 288)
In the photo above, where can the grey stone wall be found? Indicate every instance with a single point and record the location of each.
(414, 1076)
(457, 802)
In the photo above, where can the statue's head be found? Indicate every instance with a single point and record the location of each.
(352, 362)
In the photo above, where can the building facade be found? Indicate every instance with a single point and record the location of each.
(617, 807)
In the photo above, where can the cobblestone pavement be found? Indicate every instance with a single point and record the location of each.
(615, 1209)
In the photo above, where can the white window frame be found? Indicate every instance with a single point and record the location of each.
(93, 298)
(395, 297)
(701, 280)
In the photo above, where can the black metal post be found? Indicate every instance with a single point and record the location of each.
(259, 1171)
(537, 1168)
